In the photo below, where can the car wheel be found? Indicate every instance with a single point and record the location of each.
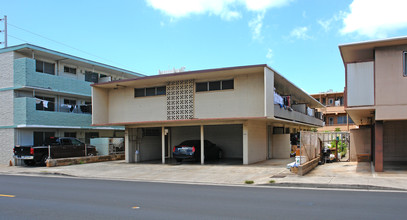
(44, 159)
(178, 160)
(29, 162)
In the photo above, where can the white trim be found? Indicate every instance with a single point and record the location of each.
(69, 127)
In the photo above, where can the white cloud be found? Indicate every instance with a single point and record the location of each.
(300, 33)
(269, 55)
(375, 18)
(327, 24)
(256, 25)
(222, 8)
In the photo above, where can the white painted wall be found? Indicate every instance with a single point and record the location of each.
(257, 141)
(6, 145)
(281, 146)
(7, 108)
(6, 70)
(360, 84)
(245, 100)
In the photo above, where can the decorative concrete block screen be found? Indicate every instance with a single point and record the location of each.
(180, 100)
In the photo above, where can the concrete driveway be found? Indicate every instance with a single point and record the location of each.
(173, 172)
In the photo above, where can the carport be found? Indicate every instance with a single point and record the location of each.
(155, 143)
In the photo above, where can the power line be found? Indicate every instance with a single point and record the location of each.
(17, 38)
(66, 45)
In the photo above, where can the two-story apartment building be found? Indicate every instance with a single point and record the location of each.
(335, 116)
(250, 112)
(47, 93)
(376, 81)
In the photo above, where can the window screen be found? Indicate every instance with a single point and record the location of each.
(139, 92)
(150, 91)
(161, 90)
(91, 77)
(201, 87)
(214, 85)
(227, 84)
(68, 69)
(44, 67)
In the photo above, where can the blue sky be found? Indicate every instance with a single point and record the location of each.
(297, 38)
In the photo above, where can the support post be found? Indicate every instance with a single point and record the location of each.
(245, 144)
(163, 145)
(378, 156)
(202, 145)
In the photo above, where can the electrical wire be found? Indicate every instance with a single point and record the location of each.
(66, 45)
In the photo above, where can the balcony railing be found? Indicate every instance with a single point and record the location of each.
(291, 114)
(26, 113)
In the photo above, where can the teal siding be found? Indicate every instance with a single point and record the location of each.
(25, 114)
(25, 75)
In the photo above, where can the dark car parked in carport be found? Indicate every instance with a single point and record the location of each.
(191, 149)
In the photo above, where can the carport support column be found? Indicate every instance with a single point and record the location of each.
(202, 145)
(129, 146)
(245, 143)
(378, 154)
(163, 144)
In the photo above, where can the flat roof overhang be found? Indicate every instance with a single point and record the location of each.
(364, 51)
(29, 49)
(362, 115)
(208, 121)
(281, 84)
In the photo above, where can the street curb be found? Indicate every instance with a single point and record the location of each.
(334, 186)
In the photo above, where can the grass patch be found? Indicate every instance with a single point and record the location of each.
(272, 181)
(249, 181)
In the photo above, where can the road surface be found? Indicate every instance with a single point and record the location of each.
(27, 197)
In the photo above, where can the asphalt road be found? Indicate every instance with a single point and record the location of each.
(72, 198)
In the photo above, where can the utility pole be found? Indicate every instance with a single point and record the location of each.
(5, 30)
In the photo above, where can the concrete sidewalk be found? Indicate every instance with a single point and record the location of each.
(333, 175)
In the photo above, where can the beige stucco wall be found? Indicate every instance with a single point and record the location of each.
(6, 70)
(269, 92)
(257, 141)
(391, 85)
(100, 104)
(245, 100)
(123, 107)
(360, 142)
(281, 146)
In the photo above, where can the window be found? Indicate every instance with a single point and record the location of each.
(40, 138)
(91, 76)
(351, 121)
(69, 102)
(214, 85)
(44, 67)
(227, 84)
(341, 119)
(201, 87)
(317, 99)
(331, 121)
(331, 101)
(405, 63)
(70, 134)
(68, 69)
(323, 101)
(45, 103)
(152, 91)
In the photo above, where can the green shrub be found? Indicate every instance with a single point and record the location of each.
(249, 181)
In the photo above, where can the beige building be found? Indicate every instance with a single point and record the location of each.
(249, 111)
(376, 84)
(335, 116)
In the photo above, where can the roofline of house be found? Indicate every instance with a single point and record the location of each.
(43, 49)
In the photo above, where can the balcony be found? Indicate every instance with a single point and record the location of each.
(25, 75)
(25, 113)
(295, 116)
